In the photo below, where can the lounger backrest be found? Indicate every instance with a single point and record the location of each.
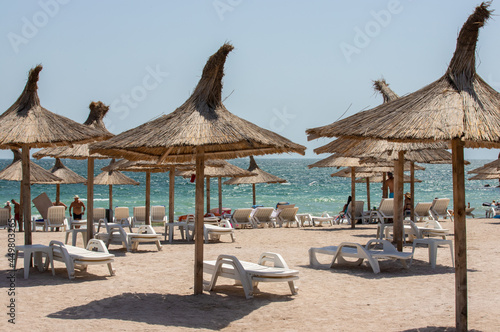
(440, 205)
(263, 213)
(242, 215)
(288, 214)
(140, 213)
(387, 207)
(121, 213)
(4, 216)
(422, 209)
(99, 213)
(158, 213)
(56, 215)
(146, 229)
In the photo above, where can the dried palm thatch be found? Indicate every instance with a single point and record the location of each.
(144, 165)
(98, 111)
(380, 178)
(26, 122)
(260, 177)
(114, 178)
(38, 174)
(485, 176)
(67, 176)
(202, 121)
(387, 93)
(363, 172)
(221, 169)
(339, 160)
(459, 107)
(491, 167)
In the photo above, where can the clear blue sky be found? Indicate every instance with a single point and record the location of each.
(296, 64)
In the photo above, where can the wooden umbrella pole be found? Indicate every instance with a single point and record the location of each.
(26, 201)
(220, 194)
(368, 193)
(398, 200)
(171, 190)
(148, 197)
(110, 197)
(198, 244)
(21, 220)
(58, 193)
(460, 235)
(384, 189)
(90, 198)
(412, 190)
(253, 191)
(353, 196)
(208, 194)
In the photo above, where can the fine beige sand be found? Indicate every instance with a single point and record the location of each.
(153, 290)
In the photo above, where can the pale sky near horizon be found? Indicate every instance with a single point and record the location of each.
(296, 64)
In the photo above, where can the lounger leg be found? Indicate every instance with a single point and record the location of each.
(112, 271)
(294, 289)
(158, 245)
(312, 257)
(232, 237)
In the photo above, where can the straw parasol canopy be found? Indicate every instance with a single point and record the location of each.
(26, 124)
(377, 177)
(81, 151)
(459, 108)
(111, 178)
(339, 160)
(261, 177)
(220, 169)
(67, 176)
(202, 128)
(38, 174)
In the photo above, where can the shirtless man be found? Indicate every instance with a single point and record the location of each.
(389, 183)
(78, 208)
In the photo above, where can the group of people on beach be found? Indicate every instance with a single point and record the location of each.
(77, 206)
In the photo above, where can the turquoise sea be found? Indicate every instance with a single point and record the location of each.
(312, 190)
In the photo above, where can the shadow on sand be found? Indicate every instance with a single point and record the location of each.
(193, 311)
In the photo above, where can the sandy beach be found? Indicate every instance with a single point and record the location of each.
(152, 290)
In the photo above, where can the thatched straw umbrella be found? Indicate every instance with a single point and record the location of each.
(459, 108)
(262, 177)
(81, 151)
(223, 169)
(111, 178)
(26, 124)
(202, 128)
(67, 176)
(489, 171)
(38, 174)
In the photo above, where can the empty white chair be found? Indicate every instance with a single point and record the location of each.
(122, 217)
(288, 216)
(439, 208)
(263, 216)
(242, 217)
(56, 217)
(139, 216)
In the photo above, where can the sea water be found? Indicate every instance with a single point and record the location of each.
(312, 190)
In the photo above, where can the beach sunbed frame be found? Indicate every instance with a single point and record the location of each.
(250, 274)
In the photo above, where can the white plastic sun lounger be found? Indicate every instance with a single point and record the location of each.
(356, 250)
(250, 274)
(96, 253)
(214, 232)
(145, 233)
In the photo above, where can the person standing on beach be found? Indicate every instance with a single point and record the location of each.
(17, 211)
(389, 183)
(78, 208)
